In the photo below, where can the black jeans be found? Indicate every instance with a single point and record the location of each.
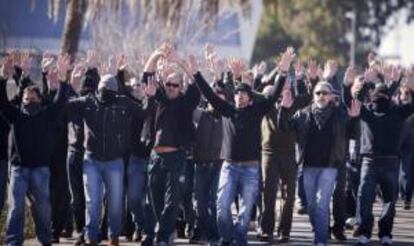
(382, 172)
(205, 196)
(339, 200)
(59, 191)
(74, 165)
(166, 181)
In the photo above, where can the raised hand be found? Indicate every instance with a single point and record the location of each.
(121, 62)
(63, 66)
(7, 68)
(247, 78)
(47, 61)
(409, 75)
(371, 75)
(209, 52)
(286, 59)
(53, 79)
(26, 63)
(92, 59)
(237, 67)
(313, 71)
(259, 69)
(355, 109)
(349, 76)
(76, 76)
(330, 69)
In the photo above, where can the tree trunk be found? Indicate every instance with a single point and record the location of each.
(75, 12)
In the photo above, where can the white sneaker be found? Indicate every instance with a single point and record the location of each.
(386, 240)
(363, 239)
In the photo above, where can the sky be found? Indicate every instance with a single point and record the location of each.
(399, 41)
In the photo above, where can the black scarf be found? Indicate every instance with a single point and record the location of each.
(322, 115)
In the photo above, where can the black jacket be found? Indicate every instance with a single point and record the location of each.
(381, 132)
(104, 129)
(32, 135)
(300, 122)
(241, 126)
(177, 113)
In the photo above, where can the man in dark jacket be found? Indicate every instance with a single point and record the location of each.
(381, 124)
(171, 131)
(207, 160)
(241, 151)
(326, 123)
(106, 119)
(32, 131)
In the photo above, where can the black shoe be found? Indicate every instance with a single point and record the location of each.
(302, 211)
(264, 237)
(407, 206)
(55, 239)
(339, 235)
(361, 244)
(283, 239)
(225, 243)
(147, 241)
(80, 241)
(137, 236)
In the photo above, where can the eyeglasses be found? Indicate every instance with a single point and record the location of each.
(173, 85)
(323, 93)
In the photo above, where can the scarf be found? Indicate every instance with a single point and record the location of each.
(322, 115)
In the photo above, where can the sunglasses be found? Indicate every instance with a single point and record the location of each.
(168, 84)
(323, 93)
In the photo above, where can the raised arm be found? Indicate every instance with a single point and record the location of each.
(8, 111)
(225, 108)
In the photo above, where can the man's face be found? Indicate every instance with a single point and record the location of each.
(137, 89)
(322, 96)
(405, 95)
(30, 97)
(173, 85)
(242, 99)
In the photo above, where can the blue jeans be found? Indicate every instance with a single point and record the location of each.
(3, 182)
(319, 185)
(382, 172)
(166, 182)
(236, 179)
(33, 182)
(205, 195)
(136, 179)
(100, 176)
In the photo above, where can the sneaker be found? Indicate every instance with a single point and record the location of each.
(407, 205)
(386, 241)
(302, 211)
(362, 240)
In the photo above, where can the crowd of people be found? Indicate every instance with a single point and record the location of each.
(180, 147)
